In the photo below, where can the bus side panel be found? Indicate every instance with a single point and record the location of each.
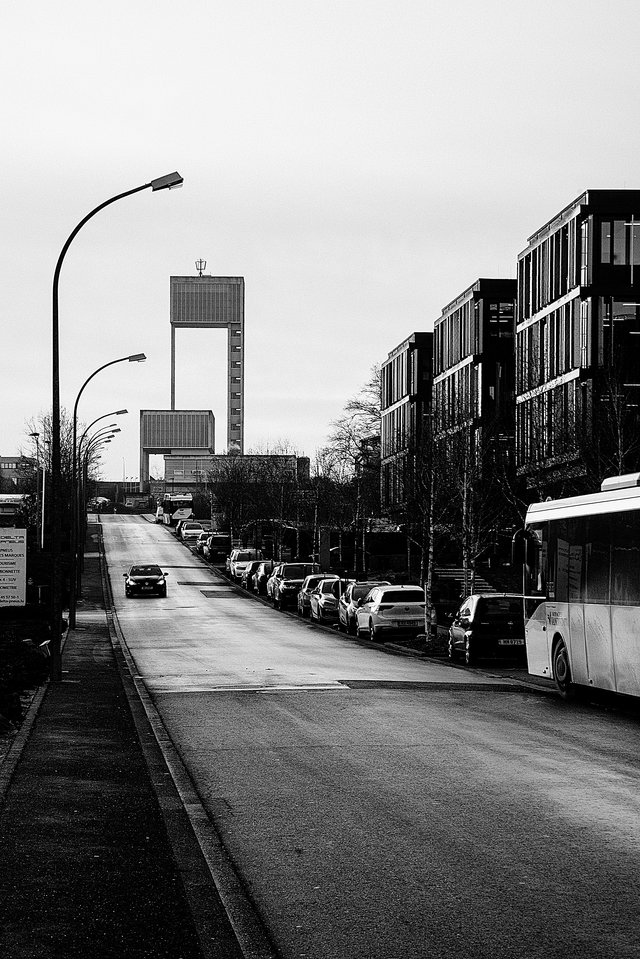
(625, 627)
(577, 651)
(597, 627)
(538, 661)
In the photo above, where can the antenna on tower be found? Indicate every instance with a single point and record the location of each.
(200, 266)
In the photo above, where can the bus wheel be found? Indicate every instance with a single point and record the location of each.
(561, 669)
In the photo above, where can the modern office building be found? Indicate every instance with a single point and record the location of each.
(577, 340)
(406, 377)
(473, 366)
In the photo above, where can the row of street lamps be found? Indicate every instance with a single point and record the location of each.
(168, 182)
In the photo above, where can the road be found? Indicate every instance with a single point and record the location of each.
(382, 806)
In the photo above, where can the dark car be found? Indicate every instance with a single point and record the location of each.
(145, 580)
(310, 583)
(248, 573)
(488, 626)
(287, 580)
(261, 576)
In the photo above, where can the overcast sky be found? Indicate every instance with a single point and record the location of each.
(360, 163)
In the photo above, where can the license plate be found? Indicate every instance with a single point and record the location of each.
(511, 642)
(412, 623)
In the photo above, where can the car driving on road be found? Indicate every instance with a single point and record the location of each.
(488, 625)
(389, 611)
(144, 580)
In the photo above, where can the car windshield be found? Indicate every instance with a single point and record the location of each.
(145, 571)
(297, 572)
(402, 596)
(243, 557)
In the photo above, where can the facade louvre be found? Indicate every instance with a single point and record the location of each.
(577, 329)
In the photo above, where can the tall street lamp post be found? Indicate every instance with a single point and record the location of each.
(74, 583)
(166, 182)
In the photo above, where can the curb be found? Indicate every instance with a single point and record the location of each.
(190, 830)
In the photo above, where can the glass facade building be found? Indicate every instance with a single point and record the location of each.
(406, 377)
(473, 364)
(577, 323)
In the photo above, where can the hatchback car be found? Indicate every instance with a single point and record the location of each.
(261, 577)
(324, 600)
(286, 581)
(351, 599)
(145, 580)
(389, 611)
(202, 538)
(250, 570)
(488, 625)
(309, 584)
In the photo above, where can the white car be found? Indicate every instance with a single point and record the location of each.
(389, 611)
(190, 530)
(240, 559)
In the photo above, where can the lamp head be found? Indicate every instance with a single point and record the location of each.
(169, 182)
(136, 358)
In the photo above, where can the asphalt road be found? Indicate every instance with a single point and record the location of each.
(381, 806)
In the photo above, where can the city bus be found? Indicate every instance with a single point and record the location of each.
(581, 588)
(176, 506)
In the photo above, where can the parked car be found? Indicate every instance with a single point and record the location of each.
(308, 585)
(190, 530)
(324, 599)
(488, 625)
(389, 611)
(143, 580)
(240, 558)
(246, 580)
(202, 538)
(287, 580)
(216, 546)
(261, 576)
(271, 580)
(351, 599)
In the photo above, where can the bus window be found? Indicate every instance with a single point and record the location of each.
(598, 560)
(533, 577)
(625, 559)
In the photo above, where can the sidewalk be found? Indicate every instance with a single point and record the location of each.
(87, 865)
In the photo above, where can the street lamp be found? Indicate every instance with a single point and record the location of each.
(74, 583)
(167, 182)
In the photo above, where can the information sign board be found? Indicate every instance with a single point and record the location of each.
(13, 567)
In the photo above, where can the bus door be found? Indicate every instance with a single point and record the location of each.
(535, 605)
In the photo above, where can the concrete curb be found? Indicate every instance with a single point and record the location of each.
(173, 785)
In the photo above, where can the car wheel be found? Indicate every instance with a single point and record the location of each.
(373, 636)
(352, 627)
(562, 670)
(451, 650)
(276, 602)
(469, 652)
(163, 593)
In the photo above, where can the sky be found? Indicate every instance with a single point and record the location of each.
(360, 163)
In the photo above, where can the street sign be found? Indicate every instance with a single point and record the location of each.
(13, 567)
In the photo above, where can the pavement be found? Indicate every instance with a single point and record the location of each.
(98, 856)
